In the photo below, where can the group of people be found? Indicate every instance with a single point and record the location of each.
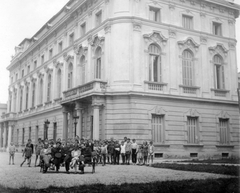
(69, 153)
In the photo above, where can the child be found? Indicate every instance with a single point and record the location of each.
(145, 152)
(150, 153)
(75, 157)
(12, 150)
(122, 152)
(104, 153)
(28, 153)
(139, 154)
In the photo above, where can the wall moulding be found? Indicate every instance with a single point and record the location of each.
(189, 43)
(155, 37)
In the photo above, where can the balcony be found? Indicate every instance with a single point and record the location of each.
(96, 86)
(155, 86)
(8, 116)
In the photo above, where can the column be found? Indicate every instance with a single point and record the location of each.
(65, 125)
(79, 124)
(1, 135)
(9, 134)
(96, 122)
(4, 135)
(70, 125)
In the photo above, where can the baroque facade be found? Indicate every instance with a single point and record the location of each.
(151, 70)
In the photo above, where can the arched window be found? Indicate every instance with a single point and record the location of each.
(82, 63)
(33, 94)
(219, 72)
(98, 63)
(49, 87)
(154, 68)
(187, 68)
(27, 94)
(59, 83)
(15, 101)
(41, 91)
(21, 98)
(70, 75)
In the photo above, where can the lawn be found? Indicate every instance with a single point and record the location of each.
(217, 169)
(228, 185)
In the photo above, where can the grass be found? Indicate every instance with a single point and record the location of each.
(212, 161)
(217, 169)
(228, 185)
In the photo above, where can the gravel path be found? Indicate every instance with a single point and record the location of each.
(15, 176)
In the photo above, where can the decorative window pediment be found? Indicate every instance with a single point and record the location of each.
(223, 115)
(80, 50)
(218, 49)
(67, 57)
(189, 43)
(157, 110)
(96, 41)
(155, 37)
(40, 75)
(192, 113)
(48, 70)
(57, 64)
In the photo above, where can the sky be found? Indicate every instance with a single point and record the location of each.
(21, 19)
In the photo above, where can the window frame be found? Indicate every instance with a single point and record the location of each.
(83, 29)
(217, 32)
(71, 39)
(60, 46)
(155, 14)
(195, 132)
(98, 18)
(160, 138)
(219, 76)
(224, 140)
(185, 23)
(151, 65)
(188, 68)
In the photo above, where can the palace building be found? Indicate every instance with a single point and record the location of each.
(155, 70)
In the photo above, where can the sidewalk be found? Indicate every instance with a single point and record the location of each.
(15, 176)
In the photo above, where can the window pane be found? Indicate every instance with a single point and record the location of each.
(192, 131)
(157, 128)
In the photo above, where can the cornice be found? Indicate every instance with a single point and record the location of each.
(54, 28)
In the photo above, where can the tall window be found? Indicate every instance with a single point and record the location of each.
(219, 72)
(28, 69)
(98, 63)
(27, 94)
(23, 135)
(217, 28)
(15, 101)
(70, 75)
(41, 92)
(192, 130)
(33, 94)
(16, 76)
(22, 72)
(42, 59)
(187, 21)
(35, 64)
(157, 129)
(224, 131)
(50, 53)
(37, 133)
(98, 18)
(59, 83)
(82, 62)
(154, 14)
(49, 87)
(10, 101)
(21, 98)
(83, 29)
(60, 47)
(30, 133)
(71, 39)
(187, 68)
(54, 131)
(155, 74)
(17, 136)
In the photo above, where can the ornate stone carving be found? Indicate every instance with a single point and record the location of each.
(232, 45)
(107, 28)
(80, 50)
(97, 41)
(172, 33)
(188, 43)
(203, 40)
(57, 64)
(202, 14)
(48, 70)
(171, 7)
(68, 57)
(156, 37)
(218, 49)
(137, 27)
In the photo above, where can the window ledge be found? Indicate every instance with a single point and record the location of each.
(192, 87)
(225, 146)
(160, 145)
(40, 105)
(158, 83)
(193, 145)
(58, 99)
(32, 108)
(25, 110)
(220, 90)
(48, 102)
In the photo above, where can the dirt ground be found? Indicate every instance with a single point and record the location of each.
(15, 176)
